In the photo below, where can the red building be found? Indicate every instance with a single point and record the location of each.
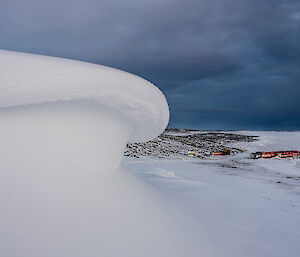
(281, 154)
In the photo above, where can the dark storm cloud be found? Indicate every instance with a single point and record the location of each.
(221, 63)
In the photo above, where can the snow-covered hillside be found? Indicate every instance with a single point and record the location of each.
(177, 144)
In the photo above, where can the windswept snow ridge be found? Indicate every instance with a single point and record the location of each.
(63, 190)
(27, 79)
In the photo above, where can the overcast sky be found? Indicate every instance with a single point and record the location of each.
(222, 64)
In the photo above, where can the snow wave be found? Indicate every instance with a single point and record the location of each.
(30, 79)
(64, 127)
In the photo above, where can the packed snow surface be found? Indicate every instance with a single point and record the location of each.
(244, 207)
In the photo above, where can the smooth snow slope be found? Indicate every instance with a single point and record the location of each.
(245, 207)
(30, 79)
(64, 127)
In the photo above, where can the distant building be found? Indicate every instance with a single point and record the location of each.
(279, 154)
(224, 152)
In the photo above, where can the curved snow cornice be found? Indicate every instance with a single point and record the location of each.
(64, 127)
(27, 79)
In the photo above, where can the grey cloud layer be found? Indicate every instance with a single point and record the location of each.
(221, 63)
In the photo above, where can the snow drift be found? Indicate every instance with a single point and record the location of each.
(64, 127)
(31, 79)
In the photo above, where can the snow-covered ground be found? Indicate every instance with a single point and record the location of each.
(243, 207)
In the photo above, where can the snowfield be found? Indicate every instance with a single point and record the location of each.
(67, 191)
(243, 207)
